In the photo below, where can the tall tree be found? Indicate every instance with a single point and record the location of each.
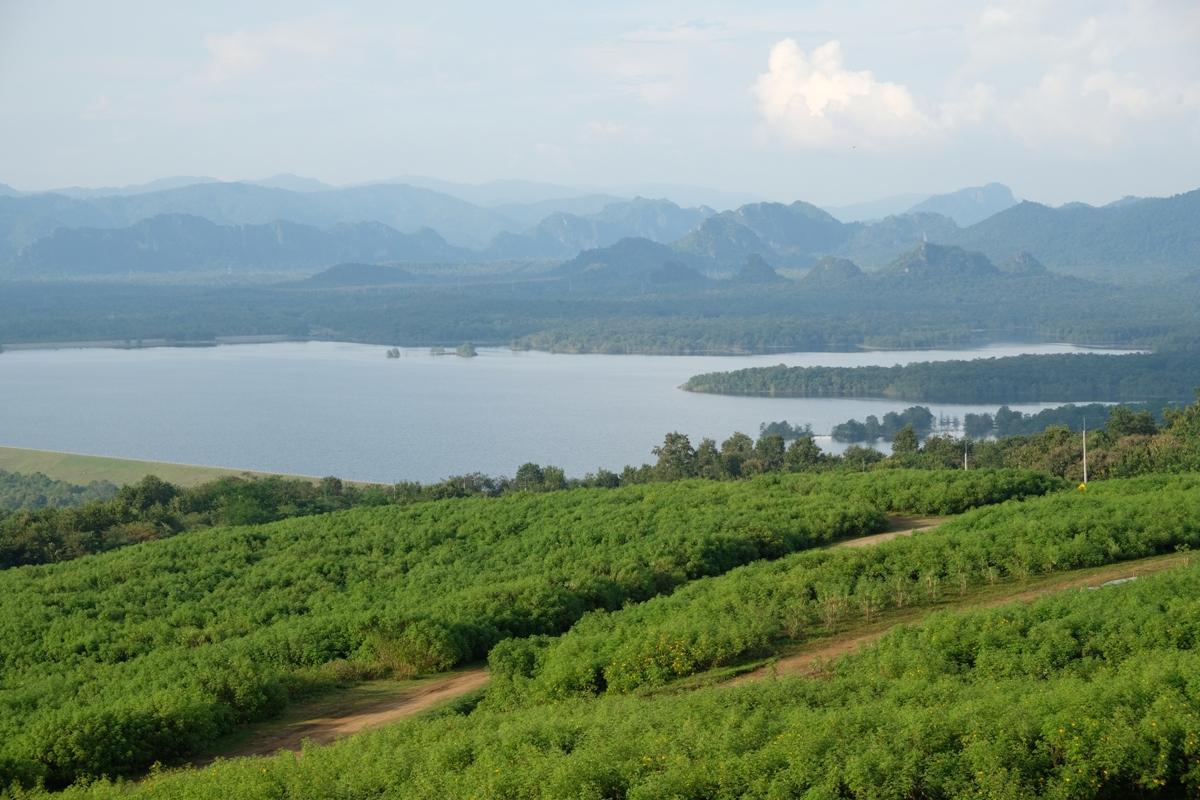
(676, 458)
(803, 454)
(905, 442)
(735, 452)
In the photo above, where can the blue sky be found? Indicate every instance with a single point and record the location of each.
(830, 102)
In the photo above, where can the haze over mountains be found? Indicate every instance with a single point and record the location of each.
(291, 223)
(965, 206)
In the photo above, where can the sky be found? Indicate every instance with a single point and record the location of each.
(833, 103)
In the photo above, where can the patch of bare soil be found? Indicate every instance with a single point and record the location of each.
(898, 525)
(321, 730)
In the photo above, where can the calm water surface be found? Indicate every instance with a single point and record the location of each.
(322, 408)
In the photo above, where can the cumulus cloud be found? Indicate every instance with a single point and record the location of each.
(816, 102)
(1070, 76)
(1073, 76)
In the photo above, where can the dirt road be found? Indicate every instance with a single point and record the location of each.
(811, 659)
(898, 525)
(290, 735)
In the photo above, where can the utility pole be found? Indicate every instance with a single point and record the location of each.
(966, 444)
(1085, 452)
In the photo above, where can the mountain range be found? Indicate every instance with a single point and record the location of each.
(1131, 241)
(185, 243)
(289, 222)
(1141, 241)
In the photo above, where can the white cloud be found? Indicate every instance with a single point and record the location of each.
(98, 108)
(605, 129)
(653, 74)
(816, 102)
(233, 55)
(1072, 77)
(995, 17)
(693, 33)
(1066, 76)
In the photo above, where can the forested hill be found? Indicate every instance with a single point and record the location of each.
(969, 206)
(640, 296)
(1141, 240)
(1015, 379)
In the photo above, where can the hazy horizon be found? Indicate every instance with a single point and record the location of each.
(834, 104)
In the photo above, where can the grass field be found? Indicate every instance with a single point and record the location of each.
(81, 469)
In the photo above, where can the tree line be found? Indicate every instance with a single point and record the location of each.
(31, 491)
(919, 418)
(154, 509)
(1172, 375)
(1006, 422)
(561, 316)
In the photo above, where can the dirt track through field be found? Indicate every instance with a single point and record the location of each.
(898, 525)
(813, 659)
(322, 730)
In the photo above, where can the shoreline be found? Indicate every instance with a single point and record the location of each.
(733, 353)
(146, 344)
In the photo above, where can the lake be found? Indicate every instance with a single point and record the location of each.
(326, 408)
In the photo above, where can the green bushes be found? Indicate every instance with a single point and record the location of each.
(751, 610)
(105, 517)
(19, 491)
(197, 634)
(418, 647)
(1086, 694)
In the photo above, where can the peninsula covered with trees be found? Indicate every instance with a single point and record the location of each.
(1169, 375)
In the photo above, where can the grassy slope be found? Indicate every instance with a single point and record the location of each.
(81, 469)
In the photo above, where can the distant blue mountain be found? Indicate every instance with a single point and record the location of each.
(26, 218)
(970, 205)
(182, 243)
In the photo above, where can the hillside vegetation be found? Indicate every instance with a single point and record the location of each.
(1086, 694)
(752, 611)
(155, 509)
(146, 654)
